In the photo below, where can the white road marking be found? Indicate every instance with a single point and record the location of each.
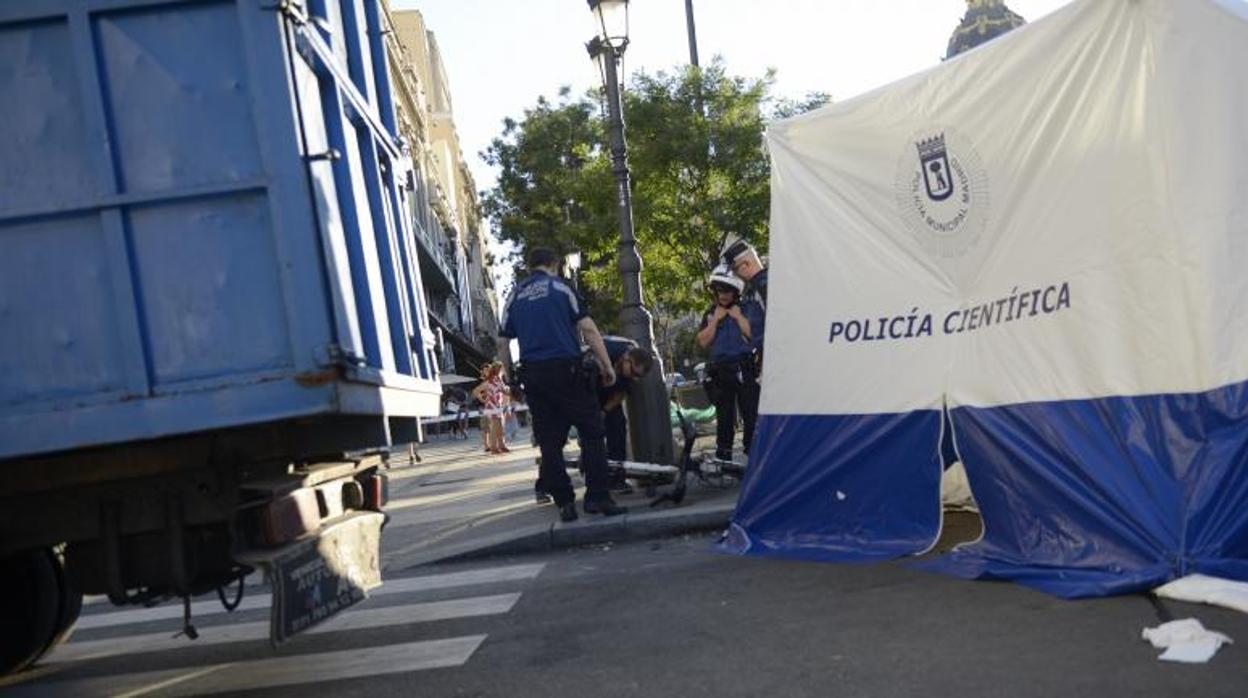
(403, 585)
(173, 681)
(460, 512)
(268, 673)
(247, 632)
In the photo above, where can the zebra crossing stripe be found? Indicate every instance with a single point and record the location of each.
(268, 673)
(449, 513)
(403, 585)
(358, 619)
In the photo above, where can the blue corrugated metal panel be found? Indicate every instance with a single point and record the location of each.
(200, 202)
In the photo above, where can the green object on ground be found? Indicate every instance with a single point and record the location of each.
(692, 414)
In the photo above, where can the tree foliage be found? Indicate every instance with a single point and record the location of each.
(699, 170)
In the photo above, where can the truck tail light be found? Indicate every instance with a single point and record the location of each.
(376, 491)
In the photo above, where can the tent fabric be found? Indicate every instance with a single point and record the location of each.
(1045, 240)
(855, 495)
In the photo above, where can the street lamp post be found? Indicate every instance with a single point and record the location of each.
(649, 421)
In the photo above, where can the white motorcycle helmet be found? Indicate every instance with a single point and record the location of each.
(722, 279)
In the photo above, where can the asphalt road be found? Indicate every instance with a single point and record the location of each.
(663, 618)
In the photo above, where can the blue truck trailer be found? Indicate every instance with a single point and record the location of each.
(211, 310)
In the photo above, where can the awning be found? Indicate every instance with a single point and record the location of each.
(455, 379)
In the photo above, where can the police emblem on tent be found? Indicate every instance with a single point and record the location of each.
(942, 190)
(935, 164)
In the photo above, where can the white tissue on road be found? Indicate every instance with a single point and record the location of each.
(1199, 588)
(1185, 641)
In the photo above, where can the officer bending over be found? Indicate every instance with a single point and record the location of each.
(631, 363)
(731, 378)
(545, 315)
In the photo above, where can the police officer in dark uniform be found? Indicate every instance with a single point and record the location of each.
(631, 363)
(742, 258)
(545, 315)
(732, 377)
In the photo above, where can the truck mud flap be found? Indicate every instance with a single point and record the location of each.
(316, 578)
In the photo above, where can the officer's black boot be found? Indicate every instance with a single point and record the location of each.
(603, 505)
(567, 512)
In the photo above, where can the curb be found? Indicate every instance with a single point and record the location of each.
(557, 535)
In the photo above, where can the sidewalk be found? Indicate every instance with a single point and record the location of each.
(462, 502)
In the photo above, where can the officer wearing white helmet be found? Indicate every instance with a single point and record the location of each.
(743, 259)
(731, 383)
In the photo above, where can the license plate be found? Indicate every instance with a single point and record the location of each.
(325, 575)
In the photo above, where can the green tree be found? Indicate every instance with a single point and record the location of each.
(699, 171)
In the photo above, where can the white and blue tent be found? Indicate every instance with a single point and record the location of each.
(1048, 238)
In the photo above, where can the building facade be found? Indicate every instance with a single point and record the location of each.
(455, 264)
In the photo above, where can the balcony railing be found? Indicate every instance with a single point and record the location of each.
(445, 319)
(434, 252)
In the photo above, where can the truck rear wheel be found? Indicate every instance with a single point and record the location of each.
(30, 606)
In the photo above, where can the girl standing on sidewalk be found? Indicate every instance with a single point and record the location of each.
(492, 392)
